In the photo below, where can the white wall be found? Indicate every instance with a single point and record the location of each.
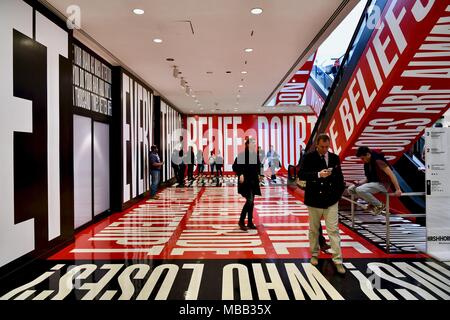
(82, 162)
(101, 167)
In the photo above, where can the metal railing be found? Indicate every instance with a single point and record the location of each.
(388, 213)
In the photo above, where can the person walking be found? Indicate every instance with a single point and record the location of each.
(212, 164)
(325, 185)
(175, 162)
(200, 163)
(246, 166)
(155, 170)
(219, 164)
(190, 160)
(273, 160)
(261, 155)
(181, 168)
(324, 246)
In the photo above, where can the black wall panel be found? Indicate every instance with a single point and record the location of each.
(30, 156)
(31, 173)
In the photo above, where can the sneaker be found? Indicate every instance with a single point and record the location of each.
(242, 226)
(340, 268)
(314, 261)
(251, 226)
(352, 189)
(377, 210)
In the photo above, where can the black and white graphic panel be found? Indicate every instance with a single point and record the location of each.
(147, 132)
(56, 40)
(163, 147)
(30, 104)
(137, 137)
(101, 167)
(128, 136)
(82, 162)
(92, 82)
(170, 137)
(16, 115)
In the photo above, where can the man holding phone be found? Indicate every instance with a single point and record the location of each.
(322, 172)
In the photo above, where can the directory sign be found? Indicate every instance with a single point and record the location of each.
(437, 161)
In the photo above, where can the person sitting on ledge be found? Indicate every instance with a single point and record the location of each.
(379, 177)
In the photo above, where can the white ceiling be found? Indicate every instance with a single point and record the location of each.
(222, 30)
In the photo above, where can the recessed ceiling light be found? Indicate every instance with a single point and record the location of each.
(244, 72)
(138, 11)
(248, 50)
(156, 40)
(193, 96)
(256, 11)
(241, 86)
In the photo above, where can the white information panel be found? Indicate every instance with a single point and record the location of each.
(437, 159)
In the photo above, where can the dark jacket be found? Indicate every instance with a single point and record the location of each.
(321, 192)
(248, 164)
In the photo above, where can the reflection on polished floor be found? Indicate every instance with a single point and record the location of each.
(187, 245)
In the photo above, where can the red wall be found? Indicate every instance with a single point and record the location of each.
(287, 133)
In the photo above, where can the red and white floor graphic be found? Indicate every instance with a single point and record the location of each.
(187, 246)
(201, 223)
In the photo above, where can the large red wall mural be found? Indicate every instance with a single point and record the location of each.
(287, 133)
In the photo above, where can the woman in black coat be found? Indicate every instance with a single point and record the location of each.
(247, 166)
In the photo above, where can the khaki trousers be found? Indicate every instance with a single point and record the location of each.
(330, 215)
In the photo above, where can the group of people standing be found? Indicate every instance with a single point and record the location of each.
(180, 161)
(325, 185)
(273, 161)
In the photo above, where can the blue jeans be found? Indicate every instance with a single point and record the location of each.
(155, 181)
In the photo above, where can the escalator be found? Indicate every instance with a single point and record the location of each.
(387, 108)
(321, 81)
